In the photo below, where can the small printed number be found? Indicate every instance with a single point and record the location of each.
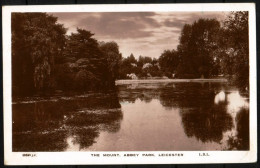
(29, 155)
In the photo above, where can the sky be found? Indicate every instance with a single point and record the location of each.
(140, 33)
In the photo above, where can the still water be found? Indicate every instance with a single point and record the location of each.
(138, 117)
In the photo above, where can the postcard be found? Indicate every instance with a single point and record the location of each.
(129, 84)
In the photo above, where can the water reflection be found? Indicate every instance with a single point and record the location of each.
(154, 116)
(207, 123)
(202, 117)
(69, 121)
(238, 108)
(220, 97)
(210, 112)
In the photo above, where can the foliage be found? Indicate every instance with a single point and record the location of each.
(37, 39)
(86, 63)
(143, 60)
(235, 45)
(169, 61)
(44, 58)
(113, 57)
(198, 43)
(142, 68)
(128, 65)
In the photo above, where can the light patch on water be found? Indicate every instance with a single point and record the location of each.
(132, 86)
(220, 97)
(236, 102)
(35, 101)
(98, 111)
(145, 86)
(66, 98)
(229, 134)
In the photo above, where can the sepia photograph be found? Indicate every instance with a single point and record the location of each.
(130, 81)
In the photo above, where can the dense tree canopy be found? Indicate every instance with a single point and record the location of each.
(235, 48)
(142, 68)
(169, 61)
(207, 49)
(113, 56)
(37, 39)
(143, 60)
(87, 65)
(45, 59)
(198, 43)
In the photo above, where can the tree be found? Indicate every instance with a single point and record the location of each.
(131, 59)
(128, 65)
(113, 57)
(37, 39)
(235, 46)
(143, 60)
(196, 49)
(185, 67)
(86, 63)
(168, 62)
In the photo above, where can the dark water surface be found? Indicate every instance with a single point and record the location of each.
(139, 117)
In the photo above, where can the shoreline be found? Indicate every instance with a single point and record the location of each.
(132, 81)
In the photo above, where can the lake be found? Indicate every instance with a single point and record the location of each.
(155, 116)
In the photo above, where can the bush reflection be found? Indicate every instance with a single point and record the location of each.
(48, 125)
(208, 112)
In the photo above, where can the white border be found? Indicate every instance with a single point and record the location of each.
(72, 158)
